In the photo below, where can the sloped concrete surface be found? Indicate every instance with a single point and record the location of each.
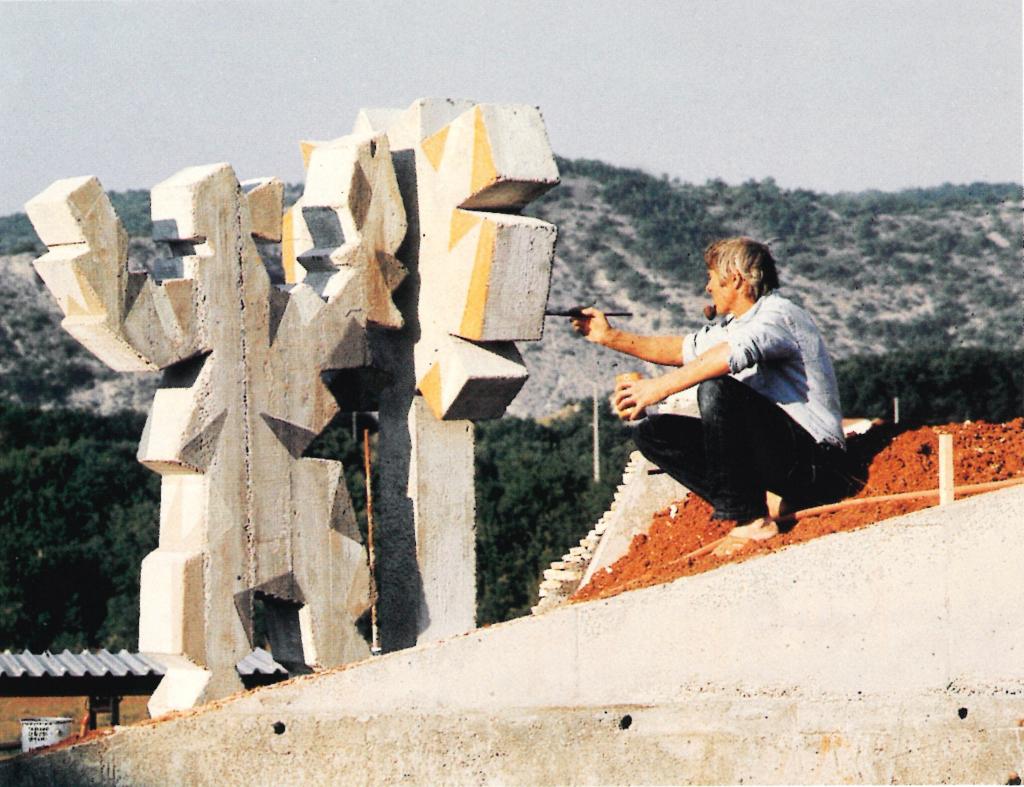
(893, 653)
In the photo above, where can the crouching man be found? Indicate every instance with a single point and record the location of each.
(770, 428)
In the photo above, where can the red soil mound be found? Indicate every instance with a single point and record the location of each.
(887, 462)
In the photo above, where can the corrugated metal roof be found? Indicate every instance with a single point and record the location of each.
(259, 662)
(103, 663)
(99, 664)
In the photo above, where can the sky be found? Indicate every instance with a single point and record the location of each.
(830, 95)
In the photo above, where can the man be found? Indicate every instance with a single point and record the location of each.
(769, 406)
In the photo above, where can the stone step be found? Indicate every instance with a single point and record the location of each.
(564, 575)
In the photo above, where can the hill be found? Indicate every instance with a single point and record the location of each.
(879, 272)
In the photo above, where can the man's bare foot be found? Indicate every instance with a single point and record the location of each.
(759, 529)
(756, 529)
(777, 507)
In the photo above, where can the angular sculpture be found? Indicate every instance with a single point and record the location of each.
(253, 373)
(484, 270)
(244, 517)
(480, 276)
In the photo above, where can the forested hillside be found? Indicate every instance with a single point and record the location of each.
(918, 293)
(78, 513)
(878, 271)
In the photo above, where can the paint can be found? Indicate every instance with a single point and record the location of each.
(626, 377)
(40, 731)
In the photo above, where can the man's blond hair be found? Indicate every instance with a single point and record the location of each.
(751, 259)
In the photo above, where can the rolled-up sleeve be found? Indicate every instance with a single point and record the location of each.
(689, 347)
(766, 339)
(703, 340)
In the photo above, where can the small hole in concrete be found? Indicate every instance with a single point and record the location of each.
(962, 713)
(625, 722)
(279, 728)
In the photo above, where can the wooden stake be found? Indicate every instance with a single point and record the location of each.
(854, 502)
(946, 492)
(597, 442)
(374, 636)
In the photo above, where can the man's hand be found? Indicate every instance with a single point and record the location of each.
(593, 326)
(633, 397)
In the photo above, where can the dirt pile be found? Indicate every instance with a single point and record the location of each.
(886, 461)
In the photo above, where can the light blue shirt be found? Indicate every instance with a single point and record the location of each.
(776, 349)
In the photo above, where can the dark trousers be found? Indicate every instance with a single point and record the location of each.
(742, 446)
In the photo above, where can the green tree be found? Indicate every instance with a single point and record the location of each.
(77, 514)
(935, 384)
(536, 498)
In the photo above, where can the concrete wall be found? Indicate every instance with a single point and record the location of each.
(892, 653)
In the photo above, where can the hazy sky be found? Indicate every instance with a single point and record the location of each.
(832, 96)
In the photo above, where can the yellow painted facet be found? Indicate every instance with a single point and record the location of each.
(307, 149)
(479, 283)
(484, 172)
(288, 261)
(430, 387)
(433, 146)
(462, 222)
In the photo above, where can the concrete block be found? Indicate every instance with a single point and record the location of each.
(497, 156)
(472, 381)
(426, 520)
(562, 574)
(109, 345)
(186, 205)
(501, 266)
(371, 121)
(158, 328)
(181, 432)
(171, 604)
(423, 118)
(63, 271)
(244, 513)
(183, 524)
(72, 211)
(295, 240)
(483, 276)
(265, 197)
(128, 321)
(327, 621)
(353, 211)
(184, 685)
(444, 512)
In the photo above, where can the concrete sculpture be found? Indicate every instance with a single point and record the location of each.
(244, 517)
(480, 274)
(252, 374)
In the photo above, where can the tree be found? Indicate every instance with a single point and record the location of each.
(77, 514)
(535, 499)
